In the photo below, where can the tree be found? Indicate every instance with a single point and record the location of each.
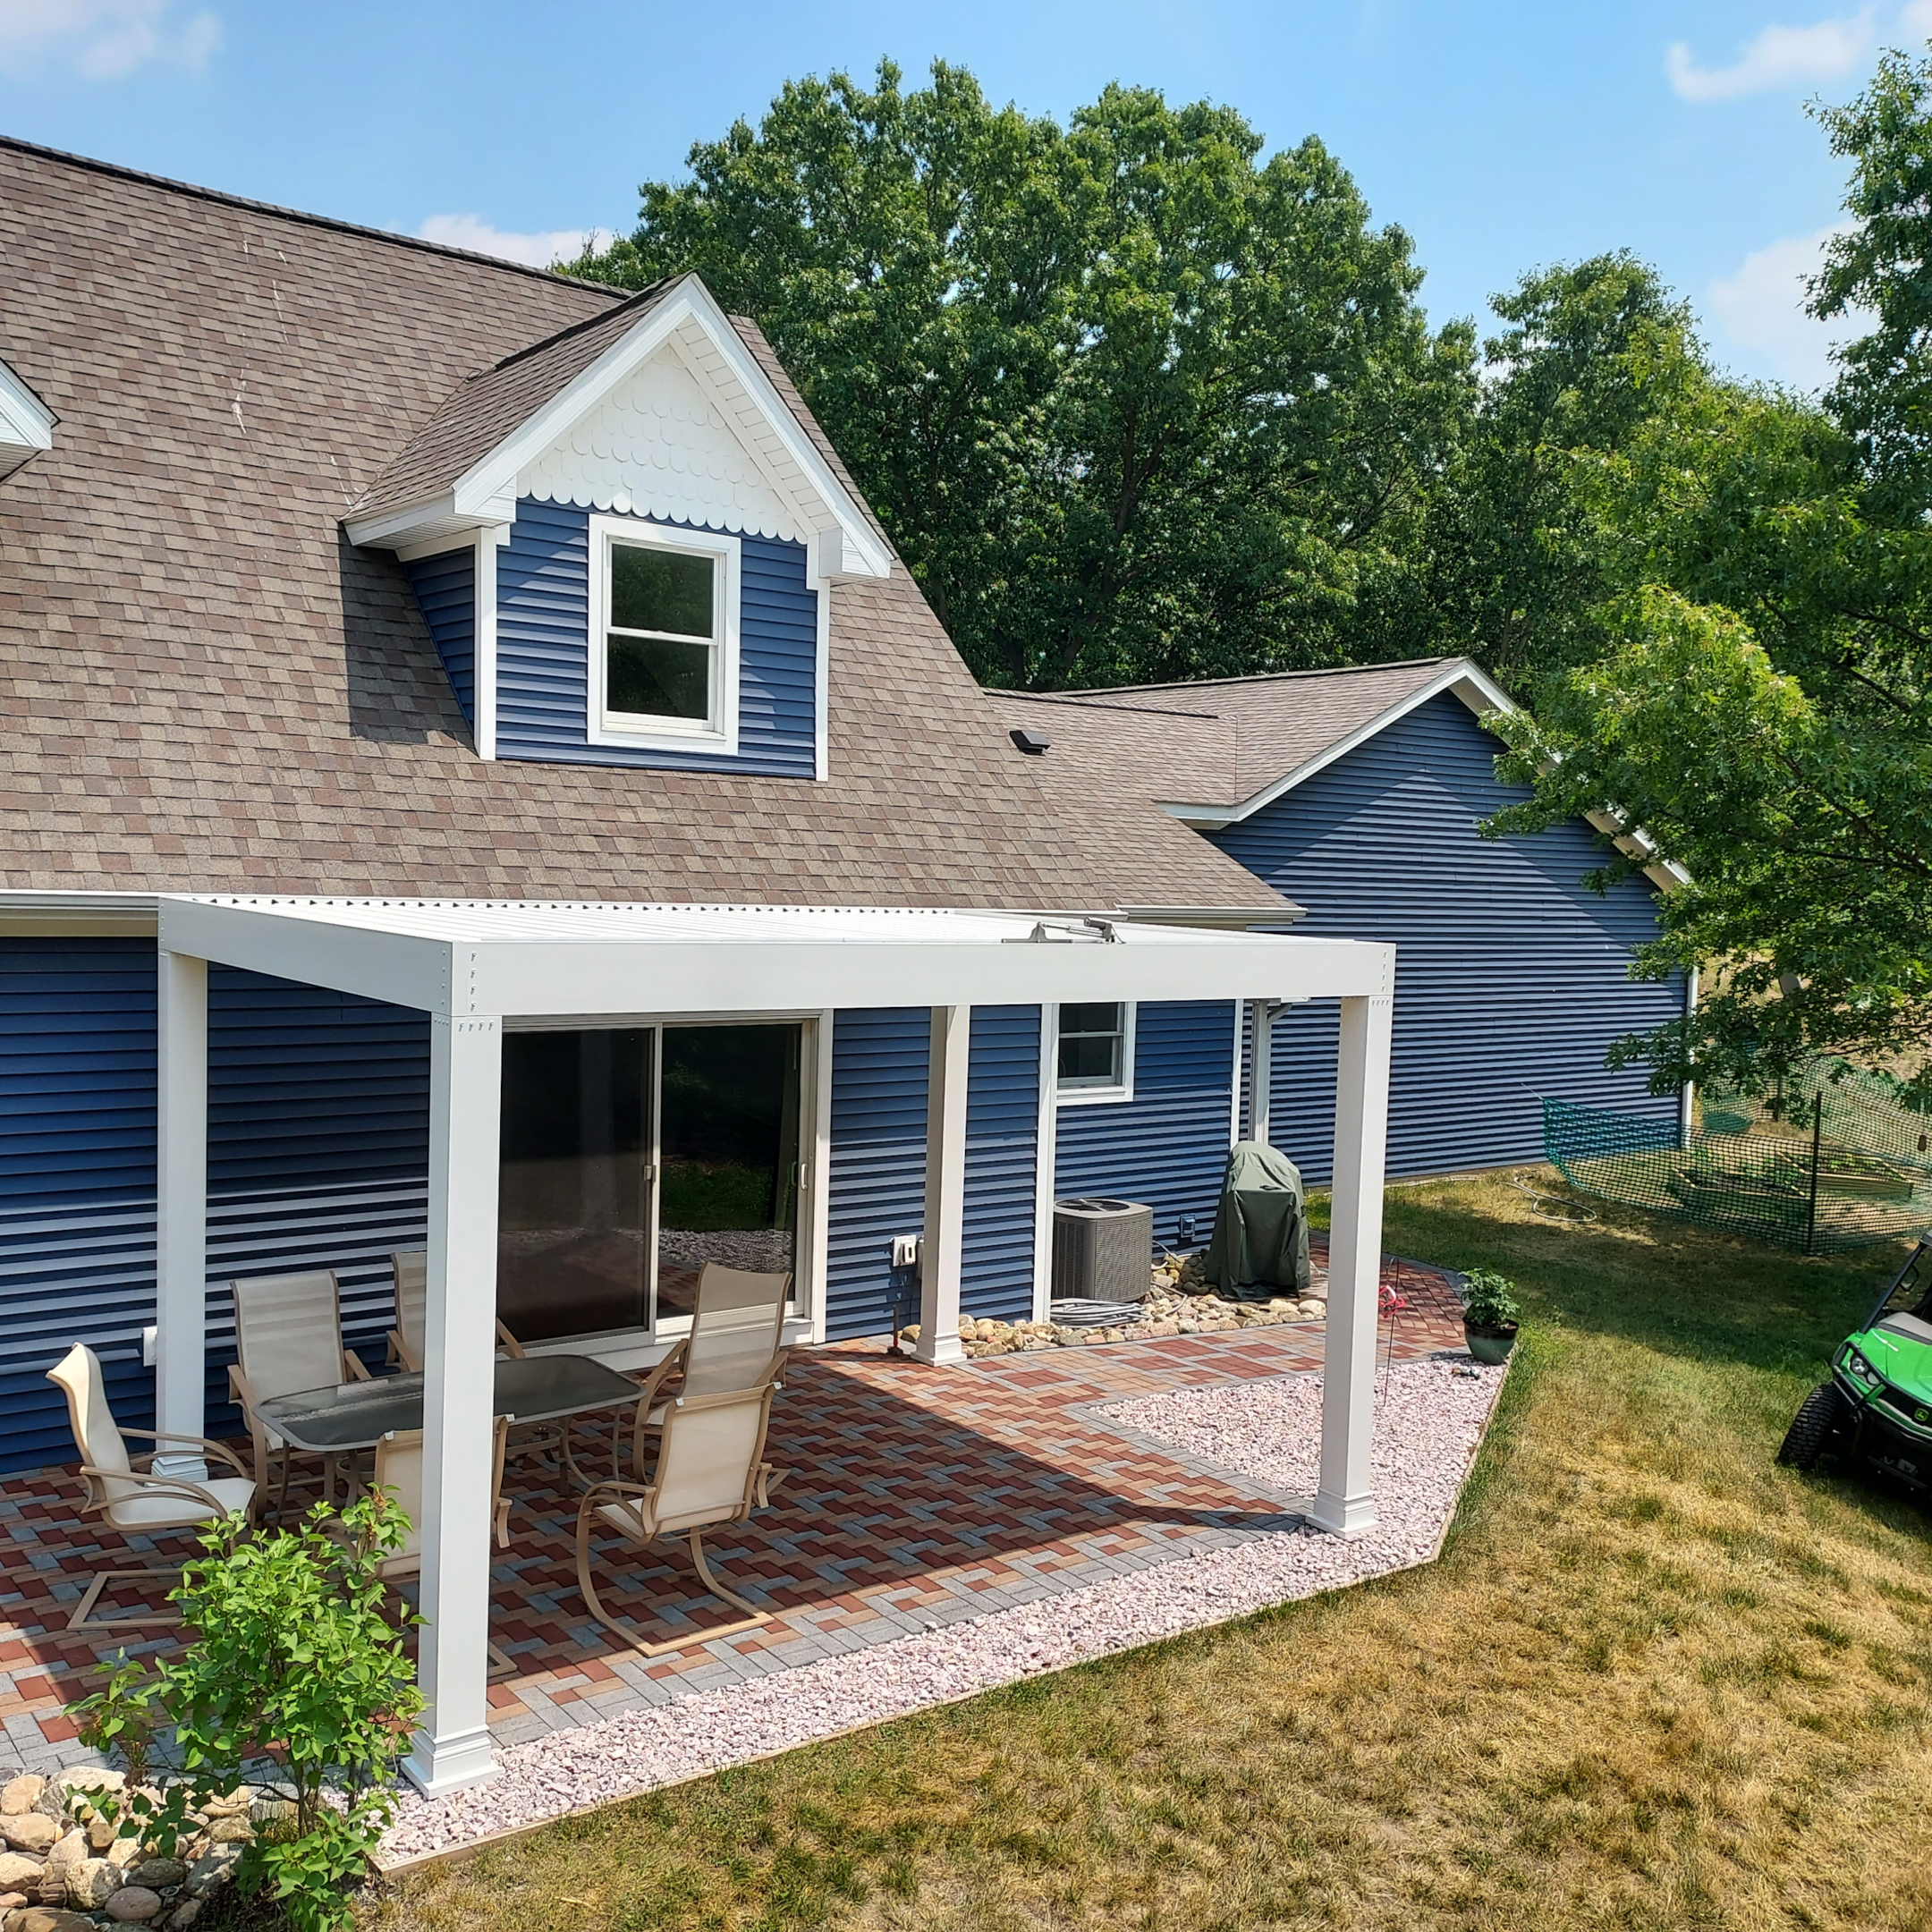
(1765, 714)
(1132, 403)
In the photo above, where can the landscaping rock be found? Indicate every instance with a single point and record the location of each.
(30, 1832)
(101, 1833)
(22, 1794)
(92, 1882)
(84, 1778)
(47, 1918)
(231, 1831)
(125, 1854)
(134, 1905)
(232, 1804)
(61, 1862)
(205, 1873)
(157, 1874)
(18, 1873)
(185, 1915)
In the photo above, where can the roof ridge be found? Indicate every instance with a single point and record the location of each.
(223, 198)
(577, 329)
(1265, 677)
(1086, 703)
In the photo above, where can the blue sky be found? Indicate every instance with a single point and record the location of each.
(1500, 136)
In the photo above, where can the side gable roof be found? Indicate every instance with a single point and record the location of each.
(206, 687)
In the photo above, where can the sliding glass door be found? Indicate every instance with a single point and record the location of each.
(633, 1155)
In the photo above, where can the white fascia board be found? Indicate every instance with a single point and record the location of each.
(423, 528)
(127, 915)
(404, 969)
(711, 976)
(494, 479)
(26, 423)
(1468, 681)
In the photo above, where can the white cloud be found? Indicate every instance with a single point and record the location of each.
(473, 232)
(1915, 20)
(1760, 309)
(1780, 56)
(103, 39)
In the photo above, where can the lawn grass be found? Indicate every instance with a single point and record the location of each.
(1653, 1682)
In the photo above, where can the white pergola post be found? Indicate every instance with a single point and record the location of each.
(180, 1209)
(1261, 1069)
(452, 1745)
(1346, 1500)
(940, 1246)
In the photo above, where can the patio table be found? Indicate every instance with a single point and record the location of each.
(529, 1388)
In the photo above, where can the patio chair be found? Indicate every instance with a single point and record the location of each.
(410, 1268)
(135, 1501)
(711, 1471)
(288, 1336)
(398, 1466)
(735, 1343)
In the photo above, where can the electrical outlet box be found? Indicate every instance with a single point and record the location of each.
(906, 1252)
(150, 1340)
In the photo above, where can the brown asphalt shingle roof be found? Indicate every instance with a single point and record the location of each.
(203, 686)
(1217, 741)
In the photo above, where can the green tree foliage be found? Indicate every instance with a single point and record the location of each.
(1762, 709)
(1132, 403)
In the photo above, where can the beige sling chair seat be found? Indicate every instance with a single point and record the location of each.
(735, 1343)
(711, 1471)
(399, 1467)
(288, 1337)
(407, 1342)
(133, 1501)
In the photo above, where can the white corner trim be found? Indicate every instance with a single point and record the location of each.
(495, 475)
(489, 540)
(1469, 682)
(721, 741)
(1099, 1095)
(1046, 1160)
(822, 685)
(26, 422)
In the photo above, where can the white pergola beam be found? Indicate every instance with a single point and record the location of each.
(452, 1743)
(941, 1251)
(180, 1208)
(1345, 1499)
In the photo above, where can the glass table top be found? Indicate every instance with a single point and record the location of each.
(529, 1388)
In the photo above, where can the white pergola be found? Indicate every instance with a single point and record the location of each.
(474, 966)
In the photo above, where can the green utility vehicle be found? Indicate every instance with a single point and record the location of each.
(1876, 1412)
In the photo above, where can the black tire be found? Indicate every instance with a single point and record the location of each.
(1815, 1427)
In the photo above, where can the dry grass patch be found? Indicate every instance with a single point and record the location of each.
(1654, 1682)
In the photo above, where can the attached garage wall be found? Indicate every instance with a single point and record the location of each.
(1511, 974)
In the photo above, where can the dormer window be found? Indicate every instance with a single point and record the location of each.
(664, 629)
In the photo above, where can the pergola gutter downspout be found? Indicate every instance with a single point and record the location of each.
(472, 966)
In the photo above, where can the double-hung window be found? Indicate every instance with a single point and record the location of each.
(663, 639)
(1094, 1053)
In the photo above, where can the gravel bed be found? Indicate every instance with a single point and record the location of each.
(1429, 1418)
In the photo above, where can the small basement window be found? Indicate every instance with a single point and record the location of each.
(664, 635)
(1095, 1051)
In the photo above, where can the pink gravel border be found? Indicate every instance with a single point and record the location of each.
(1430, 1421)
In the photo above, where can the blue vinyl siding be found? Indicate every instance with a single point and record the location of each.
(445, 592)
(1002, 1162)
(1511, 974)
(1168, 1145)
(877, 1186)
(542, 604)
(318, 1148)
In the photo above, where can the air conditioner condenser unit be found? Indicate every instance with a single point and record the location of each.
(1102, 1249)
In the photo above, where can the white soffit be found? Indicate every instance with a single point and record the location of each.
(664, 443)
(26, 422)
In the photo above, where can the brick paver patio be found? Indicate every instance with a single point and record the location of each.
(917, 1497)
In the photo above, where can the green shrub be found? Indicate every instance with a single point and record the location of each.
(1490, 1300)
(292, 1665)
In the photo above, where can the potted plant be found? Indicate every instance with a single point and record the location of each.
(1490, 1313)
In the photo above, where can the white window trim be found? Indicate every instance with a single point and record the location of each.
(1098, 1095)
(601, 727)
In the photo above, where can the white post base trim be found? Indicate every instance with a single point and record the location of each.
(1342, 1516)
(939, 1349)
(439, 1765)
(182, 1466)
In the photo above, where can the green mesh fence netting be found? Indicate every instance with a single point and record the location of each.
(1831, 1159)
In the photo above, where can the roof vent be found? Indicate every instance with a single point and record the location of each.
(1030, 742)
